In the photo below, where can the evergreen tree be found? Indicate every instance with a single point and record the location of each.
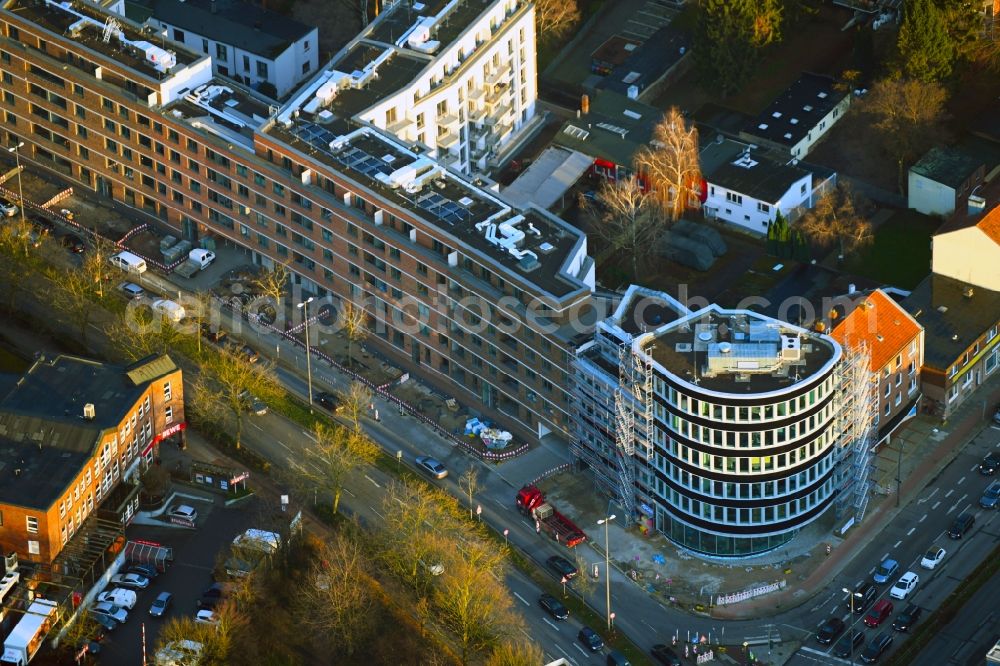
(728, 37)
(964, 22)
(926, 51)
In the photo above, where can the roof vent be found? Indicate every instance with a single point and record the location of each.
(942, 308)
(954, 338)
(88, 411)
(977, 204)
(968, 292)
(725, 348)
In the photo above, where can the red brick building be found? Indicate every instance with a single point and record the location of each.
(71, 431)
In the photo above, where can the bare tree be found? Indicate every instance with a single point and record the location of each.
(232, 377)
(138, 332)
(19, 260)
(625, 218)
(671, 163)
(272, 283)
(215, 639)
(353, 319)
(555, 18)
(469, 483)
(515, 653)
(78, 292)
(337, 595)
(334, 456)
(835, 220)
(414, 539)
(909, 116)
(356, 402)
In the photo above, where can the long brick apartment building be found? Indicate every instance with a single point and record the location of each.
(346, 183)
(71, 430)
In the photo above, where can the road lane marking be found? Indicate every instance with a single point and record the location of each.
(961, 480)
(550, 623)
(973, 468)
(953, 507)
(523, 600)
(256, 426)
(912, 530)
(586, 656)
(962, 498)
(922, 518)
(948, 494)
(897, 543)
(936, 505)
(348, 491)
(881, 560)
(931, 496)
(284, 445)
(568, 658)
(377, 513)
(499, 502)
(648, 625)
(374, 482)
(834, 609)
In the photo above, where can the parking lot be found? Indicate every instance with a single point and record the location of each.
(195, 553)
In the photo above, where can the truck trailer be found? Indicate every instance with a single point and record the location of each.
(23, 642)
(531, 502)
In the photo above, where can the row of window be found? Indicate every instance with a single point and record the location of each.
(743, 439)
(763, 516)
(747, 465)
(749, 414)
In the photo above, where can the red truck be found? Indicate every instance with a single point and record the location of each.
(531, 502)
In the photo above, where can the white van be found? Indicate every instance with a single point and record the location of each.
(172, 311)
(201, 258)
(128, 262)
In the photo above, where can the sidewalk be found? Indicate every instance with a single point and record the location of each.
(963, 424)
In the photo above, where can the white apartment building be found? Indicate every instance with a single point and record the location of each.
(264, 50)
(458, 77)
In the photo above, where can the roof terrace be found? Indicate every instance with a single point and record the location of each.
(110, 36)
(739, 351)
(223, 109)
(531, 244)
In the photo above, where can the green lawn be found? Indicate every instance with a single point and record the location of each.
(901, 253)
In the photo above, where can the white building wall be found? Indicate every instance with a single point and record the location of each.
(802, 148)
(283, 72)
(466, 134)
(753, 214)
(929, 196)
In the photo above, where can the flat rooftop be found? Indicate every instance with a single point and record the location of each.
(398, 21)
(392, 75)
(84, 24)
(642, 310)
(222, 108)
(740, 352)
(536, 248)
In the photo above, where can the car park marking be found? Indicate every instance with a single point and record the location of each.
(374, 482)
(961, 480)
(948, 494)
(953, 507)
(922, 518)
(962, 498)
(912, 530)
(523, 600)
(551, 624)
(936, 505)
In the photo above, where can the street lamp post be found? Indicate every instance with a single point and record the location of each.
(17, 159)
(309, 375)
(607, 566)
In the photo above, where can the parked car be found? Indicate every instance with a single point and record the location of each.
(907, 618)
(107, 624)
(879, 613)
(989, 465)
(120, 597)
(432, 466)
(247, 352)
(183, 512)
(147, 570)
(553, 607)
(876, 648)
(213, 596)
(132, 290)
(590, 639)
(43, 224)
(850, 644)
(886, 571)
(108, 609)
(131, 580)
(9, 209)
(905, 585)
(961, 526)
(665, 655)
(161, 604)
(990, 496)
(213, 334)
(562, 566)
(252, 403)
(328, 401)
(933, 557)
(73, 243)
(206, 616)
(829, 630)
(863, 595)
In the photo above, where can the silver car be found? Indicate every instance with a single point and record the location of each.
(162, 603)
(432, 466)
(108, 609)
(8, 209)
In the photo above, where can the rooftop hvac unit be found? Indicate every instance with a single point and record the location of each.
(88, 411)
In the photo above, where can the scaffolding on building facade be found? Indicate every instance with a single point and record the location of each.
(859, 391)
(593, 422)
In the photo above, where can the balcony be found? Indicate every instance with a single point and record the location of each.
(448, 120)
(501, 75)
(400, 126)
(447, 140)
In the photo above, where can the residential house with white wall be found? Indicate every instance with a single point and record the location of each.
(795, 121)
(267, 51)
(942, 179)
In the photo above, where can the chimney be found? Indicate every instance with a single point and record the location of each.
(88, 411)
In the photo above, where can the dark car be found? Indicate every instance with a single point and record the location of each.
(962, 524)
(213, 596)
(562, 566)
(829, 630)
(590, 639)
(161, 604)
(991, 496)
(665, 655)
(43, 224)
(849, 644)
(876, 647)
(553, 607)
(103, 621)
(73, 243)
(863, 595)
(247, 352)
(213, 333)
(907, 618)
(147, 570)
(328, 401)
(989, 465)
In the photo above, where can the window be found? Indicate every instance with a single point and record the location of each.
(32, 524)
(168, 414)
(763, 208)
(178, 35)
(802, 190)
(732, 197)
(246, 63)
(220, 52)
(262, 69)
(167, 393)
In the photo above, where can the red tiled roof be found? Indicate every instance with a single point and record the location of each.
(882, 323)
(989, 224)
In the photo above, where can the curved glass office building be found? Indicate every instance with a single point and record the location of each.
(736, 418)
